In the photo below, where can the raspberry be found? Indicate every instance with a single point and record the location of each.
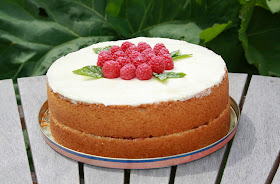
(158, 47)
(148, 57)
(144, 72)
(114, 49)
(130, 49)
(157, 64)
(138, 61)
(123, 61)
(143, 46)
(118, 54)
(128, 72)
(111, 69)
(169, 64)
(126, 45)
(134, 54)
(103, 57)
(147, 51)
(163, 51)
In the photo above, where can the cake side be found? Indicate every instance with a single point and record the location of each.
(146, 120)
(172, 144)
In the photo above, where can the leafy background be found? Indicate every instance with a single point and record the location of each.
(34, 33)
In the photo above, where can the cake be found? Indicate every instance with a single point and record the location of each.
(139, 118)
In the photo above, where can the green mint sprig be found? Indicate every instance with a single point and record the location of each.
(90, 71)
(100, 49)
(163, 76)
(175, 55)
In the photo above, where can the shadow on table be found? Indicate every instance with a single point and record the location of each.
(243, 142)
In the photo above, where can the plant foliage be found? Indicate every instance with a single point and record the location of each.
(33, 33)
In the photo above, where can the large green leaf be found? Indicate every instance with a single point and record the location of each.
(35, 33)
(271, 5)
(274, 5)
(188, 31)
(184, 19)
(229, 47)
(212, 32)
(259, 34)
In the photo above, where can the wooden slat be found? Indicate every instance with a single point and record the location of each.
(14, 167)
(150, 176)
(100, 175)
(237, 85)
(205, 170)
(276, 179)
(256, 144)
(50, 166)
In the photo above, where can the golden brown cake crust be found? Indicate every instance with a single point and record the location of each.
(172, 144)
(147, 120)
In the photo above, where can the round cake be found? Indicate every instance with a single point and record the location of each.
(139, 118)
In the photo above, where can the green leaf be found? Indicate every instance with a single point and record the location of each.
(228, 45)
(212, 32)
(274, 5)
(245, 16)
(259, 34)
(175, 55)
(33, 34)
(90, 71)
(166, 75)
(261, 3)
(114, 7)
(184, 21)
(271, 5)
(181, 30)
(100, 49)
(181, 56)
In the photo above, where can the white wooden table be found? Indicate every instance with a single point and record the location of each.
(253, 155)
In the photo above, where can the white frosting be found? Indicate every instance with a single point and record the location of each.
(204, 70)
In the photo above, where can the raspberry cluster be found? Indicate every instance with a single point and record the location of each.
(129, 61)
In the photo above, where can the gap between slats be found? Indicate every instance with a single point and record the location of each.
(171, 177)
(172, 174)
(273, 169)
(30, 161)
(81, 172)
(127, 176)
(228, 146)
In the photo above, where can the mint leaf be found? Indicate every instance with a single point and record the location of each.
(182, 56)
(175, 55)
(166, 75)
(90, 71)
(100, 49)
